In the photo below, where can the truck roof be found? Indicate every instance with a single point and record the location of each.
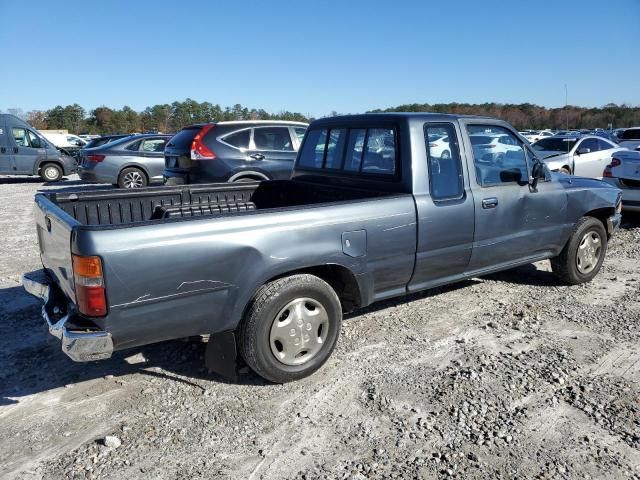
(396, 116)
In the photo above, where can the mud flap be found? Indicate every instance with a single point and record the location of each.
(221, 356)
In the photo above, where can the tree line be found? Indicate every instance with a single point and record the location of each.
(172, 117)
(161, 118)
(529, 116)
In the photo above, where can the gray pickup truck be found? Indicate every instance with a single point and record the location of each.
(379, 205)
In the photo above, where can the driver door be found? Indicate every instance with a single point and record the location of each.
(588, 159)
(27, 150)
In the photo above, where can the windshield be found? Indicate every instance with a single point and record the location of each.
(555, 144)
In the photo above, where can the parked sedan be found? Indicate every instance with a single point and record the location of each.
(104, 139)
(131, 162)
(630, 138)
(586, 156)
(624, 173)
(233, 152)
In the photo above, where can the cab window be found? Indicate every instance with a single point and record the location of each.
(444, 163)
(498, 156)
(25, 138)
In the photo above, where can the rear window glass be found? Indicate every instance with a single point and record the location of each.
(182, 140)
(135, 146)
(238, 139)
(354, 150)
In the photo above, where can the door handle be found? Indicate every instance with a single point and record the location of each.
(490, 202)
(257, 156)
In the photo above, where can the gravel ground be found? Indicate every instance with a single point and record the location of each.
(508, 376)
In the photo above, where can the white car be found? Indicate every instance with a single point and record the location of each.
(65, 140)
(624, 173)
(535, 136)
(630, 138)
(439, 146)
(493, 147)
(585, 156)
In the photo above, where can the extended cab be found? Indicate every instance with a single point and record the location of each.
(379, 205)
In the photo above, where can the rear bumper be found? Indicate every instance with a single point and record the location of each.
(81, 345)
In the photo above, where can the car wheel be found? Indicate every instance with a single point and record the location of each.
(132, 178)
(582, 256)
(446, 155)
(565, 171)
(290, 328)
(50, 172)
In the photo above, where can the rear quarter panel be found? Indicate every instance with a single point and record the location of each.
(184, 278)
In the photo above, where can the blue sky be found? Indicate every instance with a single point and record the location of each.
(318, 56)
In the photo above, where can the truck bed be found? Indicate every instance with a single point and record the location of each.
(121, 207)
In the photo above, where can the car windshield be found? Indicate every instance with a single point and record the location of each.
(555, 144)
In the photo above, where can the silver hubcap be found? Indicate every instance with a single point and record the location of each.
(51, 173)
(133, 180)
(589, 252)
(299, 331)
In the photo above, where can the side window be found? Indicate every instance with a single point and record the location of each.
(604, 145)
(445, 165)
(589, 143)
(300, 131)
(380, 152)
(272, 138)
(154, 145)
(135, 146)
(497, 159)
(238, 139)
(355, 147)
(312, 153)
(20, 136)
(34, 140)
(335, 148)
(631, 134)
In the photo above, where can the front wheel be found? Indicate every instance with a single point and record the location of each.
(290, 328)
(50, 172)
(582, 256)
(132, 178)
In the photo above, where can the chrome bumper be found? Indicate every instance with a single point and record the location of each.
(80, 346)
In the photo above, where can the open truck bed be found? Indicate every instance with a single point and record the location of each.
(122, 207)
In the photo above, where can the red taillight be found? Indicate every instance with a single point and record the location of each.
(607, 170)
(95, 158)
(199, 151)
(90, 291)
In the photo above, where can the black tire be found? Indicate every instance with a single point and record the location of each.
(255, 330)
(446, 155)
(132, 177)
(50, 172)
(565, 171)
(566, 265)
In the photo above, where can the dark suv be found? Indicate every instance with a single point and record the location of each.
(232, 152)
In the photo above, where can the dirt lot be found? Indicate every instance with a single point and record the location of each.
(507, 376)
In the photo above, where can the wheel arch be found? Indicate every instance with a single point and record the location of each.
(248, 174)
(602, 214)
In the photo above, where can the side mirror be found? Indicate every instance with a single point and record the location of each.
(537, 174)
(582, 151)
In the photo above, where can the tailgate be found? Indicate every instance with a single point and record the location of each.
(55, 228)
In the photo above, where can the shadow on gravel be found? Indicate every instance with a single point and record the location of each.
(12, 180)
(526, 275)
(630, 220)
(31, 360)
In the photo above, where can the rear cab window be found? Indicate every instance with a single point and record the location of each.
(351, 150)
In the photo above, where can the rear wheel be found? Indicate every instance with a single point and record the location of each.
(132, 178)
(582, 256)
(50, 172)
(290, 328)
